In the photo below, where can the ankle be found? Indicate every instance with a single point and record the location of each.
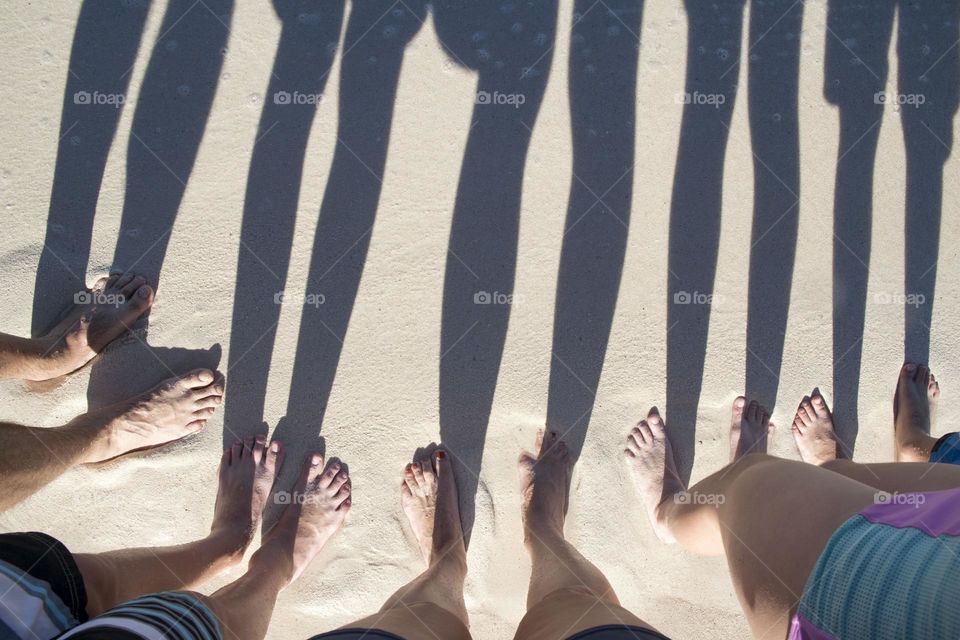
(542, 536)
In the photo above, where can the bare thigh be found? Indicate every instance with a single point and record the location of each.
(775, 521)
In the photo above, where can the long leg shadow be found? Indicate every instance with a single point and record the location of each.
(168, 124)
(929, 77)
(511, 51)
(856, 72)
(376, 37)
(774, 68)
(603, 78)
(104, 48)
(304, 58)
(713, 51)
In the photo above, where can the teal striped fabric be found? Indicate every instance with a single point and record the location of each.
(876, 581)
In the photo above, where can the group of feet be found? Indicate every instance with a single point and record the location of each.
(651, 458)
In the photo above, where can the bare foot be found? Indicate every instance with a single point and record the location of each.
(247, 471)
(545, 487)
(98, 317)
(654, 470)
(813, 431)
(316, 511)
(916, 389)
(428, 495)
(750, 434)
(175, 408)
(739, 404)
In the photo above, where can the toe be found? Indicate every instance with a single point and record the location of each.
(236, 453)
(343, 494)
(819, 404)
(327, 478)
(122, 281)
(409, 479)
(646, 435)
(738, 404)
(196, 425)
(140, 299)
(807, 411)
(209, 402)
(226, 458)
(259, 444)
(655, 423)
(313, 468)
(208, 413)
(274, 457)
(130, 287)
(418, 473)
(197, 378)
(538, 443)
(428, 473)
(338, 481)
(247, 442)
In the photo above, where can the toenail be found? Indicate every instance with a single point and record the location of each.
(441, 455)
(275, 446)
(143, 292)
(343, 476)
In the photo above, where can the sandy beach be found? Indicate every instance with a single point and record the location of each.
(381, 196)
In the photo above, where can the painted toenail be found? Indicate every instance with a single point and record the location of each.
(441, 455)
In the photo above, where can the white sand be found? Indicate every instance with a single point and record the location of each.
(384, 401)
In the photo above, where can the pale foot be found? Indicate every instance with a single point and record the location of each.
(316, 511)
(175, 408)
(545, 487)
(813, 431)
(916, 388)
(97, 317)
(429, 498)
(739, 404)
(653, 469)
(247, 471)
